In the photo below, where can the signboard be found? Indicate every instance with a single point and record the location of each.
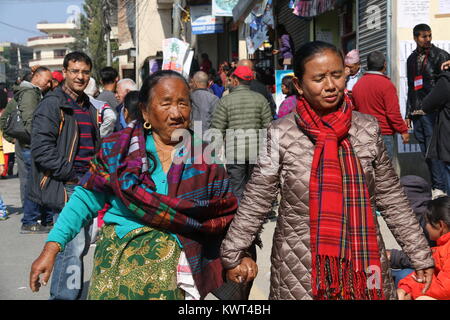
(203, 22)
(223, 8)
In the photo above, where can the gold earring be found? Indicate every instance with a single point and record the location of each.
(147, 125)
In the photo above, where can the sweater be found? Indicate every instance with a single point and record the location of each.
(440, 285)
(376, 95)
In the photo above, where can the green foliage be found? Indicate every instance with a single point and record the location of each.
(90, 38)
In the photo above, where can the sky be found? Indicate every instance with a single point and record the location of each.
(25, 14)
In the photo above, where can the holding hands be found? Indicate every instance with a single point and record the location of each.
(246, 271)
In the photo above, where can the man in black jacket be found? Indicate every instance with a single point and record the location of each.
(423, 66)
(65, 137)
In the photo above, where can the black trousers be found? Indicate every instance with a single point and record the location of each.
(239, 176)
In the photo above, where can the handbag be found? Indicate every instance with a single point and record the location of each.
(15, 128)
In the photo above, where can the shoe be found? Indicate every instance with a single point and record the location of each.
(48, 226)
(437, 193)
(4, 215)
(33, 229)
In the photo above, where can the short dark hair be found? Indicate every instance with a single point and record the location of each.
(308, 51)
(40, 69)
(131, 104)
(421, 28)
(108, 75)
(242, 81)
(439, 210)
(375, 61)
(77, 56)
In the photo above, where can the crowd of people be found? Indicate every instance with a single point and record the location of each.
(179, 224)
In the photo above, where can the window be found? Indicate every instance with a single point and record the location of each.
(37, 55)
(59, 53)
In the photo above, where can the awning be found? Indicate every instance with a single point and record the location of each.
(243, 9)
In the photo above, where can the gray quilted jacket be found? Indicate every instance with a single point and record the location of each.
(291, 257)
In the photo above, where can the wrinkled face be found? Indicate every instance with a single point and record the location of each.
(121, 92)
(43, 80)
(353, 68)
(77, 75)
(323, 82)
(169, 108)
(424, 39)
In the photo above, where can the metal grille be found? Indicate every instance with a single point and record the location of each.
(372, 29)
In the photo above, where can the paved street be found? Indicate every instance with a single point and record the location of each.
(17, 252)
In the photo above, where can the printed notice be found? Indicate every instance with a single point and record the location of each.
(444, 6)
(411, 13)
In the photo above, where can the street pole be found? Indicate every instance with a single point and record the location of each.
(176, 18)
(108, 48)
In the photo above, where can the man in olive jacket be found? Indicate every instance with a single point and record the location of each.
(27, 96)
(240, 115)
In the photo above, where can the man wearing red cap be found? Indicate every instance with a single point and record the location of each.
(58, 78)
(240, 115)
(248, 111)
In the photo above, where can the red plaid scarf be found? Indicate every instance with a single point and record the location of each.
(344, 245)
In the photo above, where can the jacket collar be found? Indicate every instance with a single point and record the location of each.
(377, 73)
(443, 239)
(241, 87)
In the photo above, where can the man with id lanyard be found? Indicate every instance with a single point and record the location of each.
(423, 65)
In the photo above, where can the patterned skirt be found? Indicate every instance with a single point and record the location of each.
(140, 266)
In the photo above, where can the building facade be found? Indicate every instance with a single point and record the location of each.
(50, 50)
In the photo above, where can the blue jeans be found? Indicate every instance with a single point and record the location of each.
(32, 212)
(423, 131)
(447, 175)
(389, 143)
(399, 274)
(67, 278)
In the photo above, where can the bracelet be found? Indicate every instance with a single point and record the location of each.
(59, 246)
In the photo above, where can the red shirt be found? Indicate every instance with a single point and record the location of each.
(376, 95)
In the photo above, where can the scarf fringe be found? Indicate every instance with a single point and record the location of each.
(338, 280)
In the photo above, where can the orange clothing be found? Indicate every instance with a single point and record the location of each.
(440, 285)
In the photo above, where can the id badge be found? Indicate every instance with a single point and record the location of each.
(418, 83)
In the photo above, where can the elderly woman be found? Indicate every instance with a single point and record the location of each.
(334, 172)
(168, 213)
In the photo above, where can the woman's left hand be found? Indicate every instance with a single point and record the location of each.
(275, 51)
(424, 276)
(246, 271)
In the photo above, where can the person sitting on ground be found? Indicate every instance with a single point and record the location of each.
(418, 192)
(289, 104)
(438, 227)
(162, 235)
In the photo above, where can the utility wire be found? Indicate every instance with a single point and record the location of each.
(19, 28)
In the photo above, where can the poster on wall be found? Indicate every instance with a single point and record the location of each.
(175, 54)
(203, 22)
(223, 8)
(411, 13)
(444, 6)
(279, 75)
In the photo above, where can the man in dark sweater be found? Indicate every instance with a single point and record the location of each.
(423, 66)
(65, 137)
(376, 95)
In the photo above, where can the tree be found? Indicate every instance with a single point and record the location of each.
(90, 37)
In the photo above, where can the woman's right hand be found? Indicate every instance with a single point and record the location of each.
(43, 265)
(246, 271)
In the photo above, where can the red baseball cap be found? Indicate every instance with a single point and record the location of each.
(58, 76)
(244, 73)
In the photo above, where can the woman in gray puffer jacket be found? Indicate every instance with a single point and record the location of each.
(334, 173)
